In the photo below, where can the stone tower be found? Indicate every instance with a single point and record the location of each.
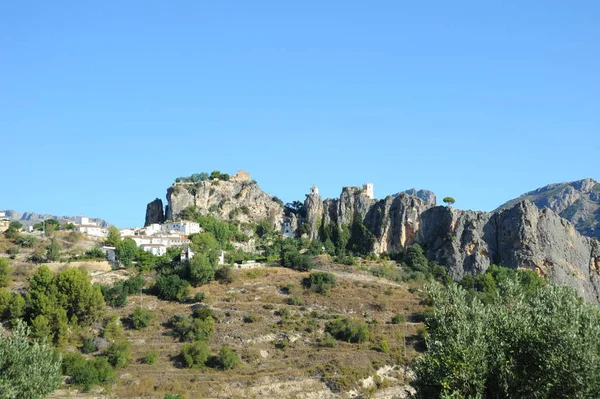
(368, 188)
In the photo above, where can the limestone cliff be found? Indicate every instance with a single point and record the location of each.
(578, 202)
(468, 242)
(523, 236)
(243, 201)
(154, 212)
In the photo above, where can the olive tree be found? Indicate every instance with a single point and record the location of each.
(27, 370)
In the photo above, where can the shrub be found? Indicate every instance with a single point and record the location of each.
(225, 274)
(329, 341)
(196, 329)
(119, 353)
(195, 354)
(151, 357)
(251, 318)
(87, 373)
(398, 318)
(348, 330)
(199, 296)
(227, 358)
(320, 282)
(89, 346)
(292, 258)
(141, 318)
(172, 288)
(5, 272)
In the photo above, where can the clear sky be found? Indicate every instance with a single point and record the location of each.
(103, 104)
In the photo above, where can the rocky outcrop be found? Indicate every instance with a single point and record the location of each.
(313, 210)
(468, 242)
(228, 200)
(426, 195)
(578, 202)
(154, 212)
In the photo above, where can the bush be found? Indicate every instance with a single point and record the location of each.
(227, 358)
(348, 330)
(320, 282)
(141, 318)
(5, 272)
(87, 373)
(329, 341)
(398, 318)
(225, 274)
(293, 259)
(251, 318)
(151, 357)
(89, 346)
(119, 354)
(199, 296)
(172, 288)
(196, 329)
(195, 354)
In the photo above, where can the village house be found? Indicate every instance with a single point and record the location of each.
(185, 227)
(4, 222)
(85, 225)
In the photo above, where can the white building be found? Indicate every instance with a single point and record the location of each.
(4, 222)
(155, 249)
(184, 226)
(314, 190)
(85, 225)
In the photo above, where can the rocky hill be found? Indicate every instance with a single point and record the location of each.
(31, 218)
(520, 235)
(468, 242)
(239, 199)
(578, 202)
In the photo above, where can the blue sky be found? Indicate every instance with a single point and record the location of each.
(103, 104)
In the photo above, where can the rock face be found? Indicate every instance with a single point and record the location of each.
(426, 195)
(578, 202)
(468, 242)
(154, 212)
(228, 200)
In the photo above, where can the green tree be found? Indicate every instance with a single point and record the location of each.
(114, 237)
(126, 251)
(544, 343)
(171, 287)
(27, 370)
(202, 270)
(119, 354)
(5, 272)
(204, 242)
(195, 354)
(227, 358)
(53, 252)
(141, 318)
(448, 200)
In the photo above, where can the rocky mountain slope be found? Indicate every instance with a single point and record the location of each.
(243, 201)
(31, 218)
(578, 202)
(468, 242)
(520, 235)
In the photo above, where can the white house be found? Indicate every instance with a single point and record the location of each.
(184, 226)
(155, 249)
(4, 222)
(85, 225)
